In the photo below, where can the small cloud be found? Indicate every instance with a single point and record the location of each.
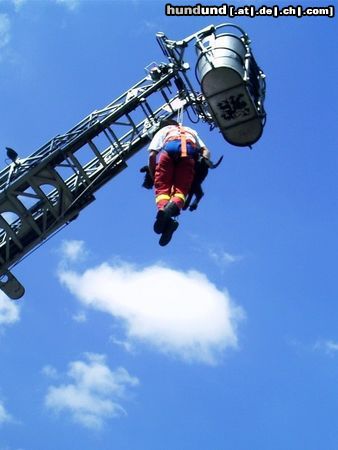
(220, 257)
(328, 347)
(80, 317)
(5, 27)
(9, 311)
(94, 392)
(49, 371)
(178, 313)
(71, 5)
(5, 417)
(151, 26)
(223, 258)
(73, 251)
(126, 345)
(18, 4)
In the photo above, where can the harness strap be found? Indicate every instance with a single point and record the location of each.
(184, 152)
(171, 139)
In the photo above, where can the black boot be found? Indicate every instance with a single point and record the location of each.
(164, 215)
(161, 221)
(171, 209)
(168, 232)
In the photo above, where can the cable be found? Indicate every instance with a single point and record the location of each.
(193, 121)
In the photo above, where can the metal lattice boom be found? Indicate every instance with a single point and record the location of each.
(44, 192)
(36, 198)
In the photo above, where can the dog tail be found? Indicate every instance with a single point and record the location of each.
(214, 166)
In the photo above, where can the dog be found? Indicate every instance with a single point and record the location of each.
(202, 167)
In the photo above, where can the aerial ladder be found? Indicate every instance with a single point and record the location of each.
(45, 191)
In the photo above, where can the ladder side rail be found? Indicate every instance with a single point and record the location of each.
(88, 127)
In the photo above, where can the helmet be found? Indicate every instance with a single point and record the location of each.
(167, 122)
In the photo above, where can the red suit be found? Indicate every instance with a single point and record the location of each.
(174, 173)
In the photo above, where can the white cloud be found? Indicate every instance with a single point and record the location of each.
(220, 257)
(49, 371)
(329, 347)
(73, 250)
(72, 5)
(181, 313)
(5, 26)
(223, 258)
(80, 317)
(18, 4)
(151, 26)
(4, 415)
(126, 345)
(9, 311)
(95, 393)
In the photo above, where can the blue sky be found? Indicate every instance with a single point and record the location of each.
(228, 337)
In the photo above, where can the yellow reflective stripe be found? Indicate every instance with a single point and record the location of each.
(162, 197)
(179, 195)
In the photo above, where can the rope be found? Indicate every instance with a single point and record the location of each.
(180, 115)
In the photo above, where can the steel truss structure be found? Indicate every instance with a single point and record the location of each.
(47, 190)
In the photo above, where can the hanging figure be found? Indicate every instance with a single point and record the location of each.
(172, 155)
